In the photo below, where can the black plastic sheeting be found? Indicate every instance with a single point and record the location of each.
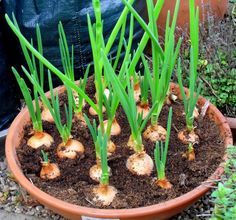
(9, 100)
(73, 14)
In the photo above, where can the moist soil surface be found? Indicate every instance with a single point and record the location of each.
(74, 185)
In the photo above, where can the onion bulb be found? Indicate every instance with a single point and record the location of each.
(155, 133)
(111, 148)
(95, 172)
(190, 154)
(188, 137)
(93, 112)
(171, 97)
(143, 109)
(49, 171)
(104, 194)
(137, 92)
(164, 183)
(79, 116)
(140, 164)
(71, 149)
(195, 113)
(40, 139)
(115, 127)
(131, 143)
(46, 115)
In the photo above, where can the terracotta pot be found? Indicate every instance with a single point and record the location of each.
(217, 8)
(232, 125)
(160, 211)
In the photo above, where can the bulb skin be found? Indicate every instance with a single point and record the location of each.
(40, 139)
(140, 164)
(71, 149)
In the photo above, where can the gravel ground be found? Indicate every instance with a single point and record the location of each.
(14, 199)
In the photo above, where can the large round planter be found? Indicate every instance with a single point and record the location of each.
(232, 125)
(159, 211)
(216, 8)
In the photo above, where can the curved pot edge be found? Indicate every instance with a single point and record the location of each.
(50, 201)
(231, 122)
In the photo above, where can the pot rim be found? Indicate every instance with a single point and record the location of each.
(51, 201)
(231, 121)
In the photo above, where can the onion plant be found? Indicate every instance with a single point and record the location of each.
(39, 138)
(146, 36)
(95, 171)
(160, 155)
(103, 193)
(49, 170)
(69, 148)
(35, 68)
(143, 105)
(111, 100)
(139, 163)
(188, 136)
(159, 79)
(100, 172)
(67, 59)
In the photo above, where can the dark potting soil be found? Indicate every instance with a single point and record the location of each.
(133, 191)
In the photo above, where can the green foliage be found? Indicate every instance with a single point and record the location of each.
(225, 197)
(64, 129)
(144, 86)
(100, 141)
(190, 100)
(45, 156)
(161, 150)
(94, 132)
(163, 61)
(34, 108)
(219, 82)
(128, 102)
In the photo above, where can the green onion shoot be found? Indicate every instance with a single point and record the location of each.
(49, 170)
(103, 193)
(95, 171)
(143, 105)
(69, 148)
(160, 155)
(39, 138)
(67, 59)
(188, 136)
(79, 101)
(139, 163)
(159, 79)
(36, 70)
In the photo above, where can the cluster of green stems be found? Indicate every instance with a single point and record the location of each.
(120, 86)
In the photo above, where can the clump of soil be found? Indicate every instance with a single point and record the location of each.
(133, 191)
